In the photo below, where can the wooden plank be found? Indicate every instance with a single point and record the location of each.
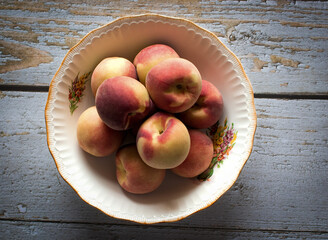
(282, 45)
(282, 186)
(17, 230)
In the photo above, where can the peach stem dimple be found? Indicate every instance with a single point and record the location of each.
(179, 87)
(161, 131)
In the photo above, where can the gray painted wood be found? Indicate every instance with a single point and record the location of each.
(46, 230)
(283, 186)
(282, 45)
(282, 190)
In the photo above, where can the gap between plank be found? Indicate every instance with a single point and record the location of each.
(23, 88)
(292, 96)
(164, 226)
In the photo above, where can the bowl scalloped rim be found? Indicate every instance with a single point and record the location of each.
(252, 110)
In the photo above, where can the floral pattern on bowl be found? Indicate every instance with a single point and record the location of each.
(94, 179)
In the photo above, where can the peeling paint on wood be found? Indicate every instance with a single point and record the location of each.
(284, 61)
(259, 64)
(301, 24)
(292, 30)
(22, 36)
(290, 150)
(281, 192)
(26, 56)
(2, 95)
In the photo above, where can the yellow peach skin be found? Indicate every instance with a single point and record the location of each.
(151, 56)
(133, 174)
(199, 156)
(95, 137)
(174, 84)
(163, 141)
(111, 67)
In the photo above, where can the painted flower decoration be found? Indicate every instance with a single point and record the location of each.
(223, 138)
(75, 92)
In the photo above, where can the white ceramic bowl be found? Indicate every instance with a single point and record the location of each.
(94, 178)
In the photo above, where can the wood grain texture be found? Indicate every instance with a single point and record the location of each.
(282, 190)
(282, 187)
(282, 45)
(17, 230)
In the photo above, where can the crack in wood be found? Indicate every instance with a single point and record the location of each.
(3, 134)
(291, 96)
(163, 226)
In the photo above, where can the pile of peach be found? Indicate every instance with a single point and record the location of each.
(163, 101)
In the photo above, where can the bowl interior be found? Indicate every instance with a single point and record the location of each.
(94, 178)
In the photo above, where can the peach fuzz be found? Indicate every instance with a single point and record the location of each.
(122, 102)
(207, 110)
(94, 136)
(111, 67)
(150, 56)
(199, 157)
(163, 141)
(133, 174)
(174, 84)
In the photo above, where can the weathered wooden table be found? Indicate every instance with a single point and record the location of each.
(282, 191)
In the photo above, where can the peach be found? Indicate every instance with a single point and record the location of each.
(199, 157)
(150, 56)
(163, 141)
(94, 136)
(152, 110)
(111, 67)
(122, 102)
(207, 110)
(174, 84)
(133, 174)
